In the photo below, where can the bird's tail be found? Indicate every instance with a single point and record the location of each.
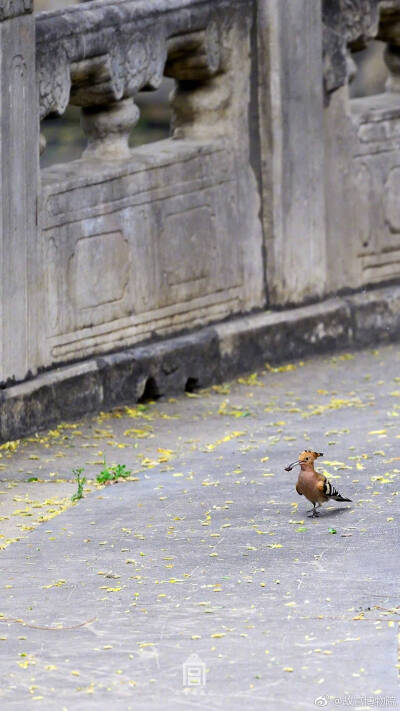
(333, 493)
(339, 497)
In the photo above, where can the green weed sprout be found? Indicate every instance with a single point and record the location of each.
(80, 481)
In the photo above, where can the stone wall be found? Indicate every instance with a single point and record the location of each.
(275, 189)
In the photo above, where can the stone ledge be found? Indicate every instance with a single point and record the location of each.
(206, 356)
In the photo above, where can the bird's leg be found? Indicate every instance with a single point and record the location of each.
(314, 512)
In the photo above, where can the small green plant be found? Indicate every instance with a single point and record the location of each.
(80, 481)
(113, 473)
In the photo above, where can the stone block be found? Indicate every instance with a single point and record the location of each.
(376, 315)
(362, 181)
(209, 355)
(343, 221)
(20, 282)
(146, 247)
(286, 335)
(292, 148)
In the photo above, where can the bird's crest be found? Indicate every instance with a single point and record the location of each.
(307, 453)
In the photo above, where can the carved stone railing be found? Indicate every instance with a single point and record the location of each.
(152, 240)
(100, 54)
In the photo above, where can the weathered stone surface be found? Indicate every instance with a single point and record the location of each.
(14, 8)
(269, 337)
(389, 21)
(172, 228)
(347, 23)
(109, 380)
(108, 128)
(376, 315)
(209, 355)
(362, 142)
(113, 50)
(363, 160)
(20, 283)
(195, 56)
(292, 143)
(37, 402)
(344, 222)
(146, 247)
(261, 196)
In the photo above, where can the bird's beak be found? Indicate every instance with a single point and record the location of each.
(290, 466)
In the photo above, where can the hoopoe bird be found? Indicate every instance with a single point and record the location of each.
(315, 487)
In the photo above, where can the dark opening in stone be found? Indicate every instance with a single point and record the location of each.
(150, 392)
(192, 384)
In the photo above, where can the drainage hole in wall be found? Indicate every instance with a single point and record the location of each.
(192, 384)
(150, 392)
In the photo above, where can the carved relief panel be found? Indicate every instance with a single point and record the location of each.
(377, 183)
(161, 251)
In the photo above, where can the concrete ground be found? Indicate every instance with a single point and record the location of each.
(200, 583)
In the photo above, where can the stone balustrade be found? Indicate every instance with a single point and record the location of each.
(148, 241)
(274, 190)
(100, 55)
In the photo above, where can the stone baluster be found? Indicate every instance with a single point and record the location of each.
(107, 129)
(107, 118)
(392, 60)
(20, 283)
(202, 93)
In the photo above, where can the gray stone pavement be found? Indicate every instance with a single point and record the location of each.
(207, 550)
